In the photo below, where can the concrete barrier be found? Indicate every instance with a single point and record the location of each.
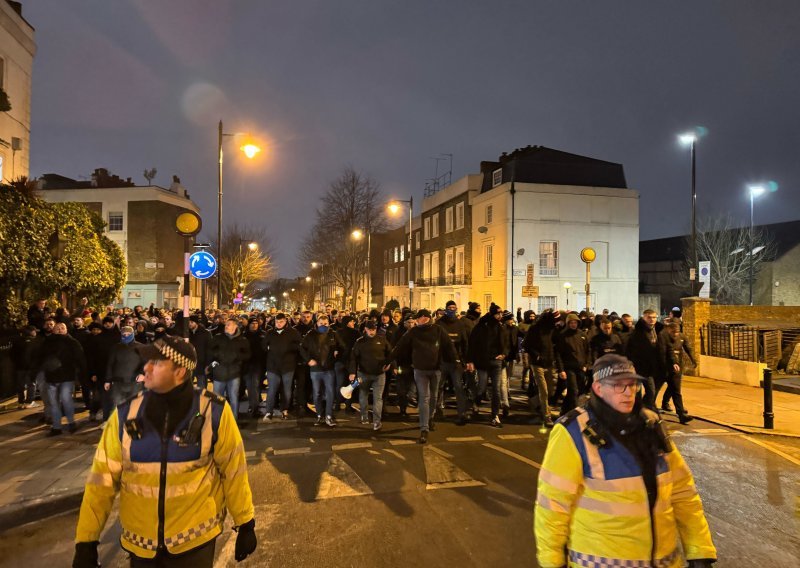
(731, 370)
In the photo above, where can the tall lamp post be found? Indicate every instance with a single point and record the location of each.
(567, 286)
(690, 139)
(250, 150)
(394, 209)
(755, 191)
(358, 235)
(321, 282)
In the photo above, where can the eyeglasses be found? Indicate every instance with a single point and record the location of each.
(620, 388)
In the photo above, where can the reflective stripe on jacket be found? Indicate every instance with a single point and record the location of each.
(201, 480)
(592, 508)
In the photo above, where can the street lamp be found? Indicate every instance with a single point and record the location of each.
(395, 208)
(358, 235)
(250, 150)
(690, 139)
(755, 191)
(321, 266)
(567, 286)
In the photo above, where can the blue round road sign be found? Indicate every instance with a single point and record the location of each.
(202, 265)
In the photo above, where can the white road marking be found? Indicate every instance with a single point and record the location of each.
(514, 455)
(250, 454)
(773, 449)
(351, 446)
(516, 436)
(465, 439)
(401, 442)
(441, 473)
(440, 452)
(396, 454)
(340, 480)
(79, 456)
(289, 451)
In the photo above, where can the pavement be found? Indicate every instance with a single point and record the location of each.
(41, 477)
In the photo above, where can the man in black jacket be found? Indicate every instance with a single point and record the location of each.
(228, 354)
(539, 347)
(427, 345)
(346, 336)
(282, 346)
(254, 367)
(573, 358)
(62, 361)
(98, 346)
(458, 331)
(318, 349)
(647, 350)
(369, 360)
(200, 338)
(124, 367)
(488, 348)
(24, 350)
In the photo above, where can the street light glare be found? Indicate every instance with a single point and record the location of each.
(357, 234)
(567, 285)
(252, 246)
(394, 208)
(687, 139)
(308, 278)
(314, 264)
(250, 150)
(757, 190)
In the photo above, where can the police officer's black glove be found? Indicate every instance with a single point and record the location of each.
(85, 555)
(702, 563)
(246, 540)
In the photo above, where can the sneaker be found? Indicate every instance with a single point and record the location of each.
(267, 417)
(33, 404)
(365, 419)
(496, 422)
(53, 432)
(72, 427)
(285, 415)
(330, 421)
(376, 426)
(548, 422)
(423, 437)
(320, 421)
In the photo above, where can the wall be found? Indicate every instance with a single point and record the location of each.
(785, 272)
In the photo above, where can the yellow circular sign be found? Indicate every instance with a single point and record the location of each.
(588, 255)
(188, 223)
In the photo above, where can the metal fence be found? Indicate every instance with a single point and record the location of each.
(747, 343)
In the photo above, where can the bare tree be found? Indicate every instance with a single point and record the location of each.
(728, 248)
(245, 263)
(353, 201)
(149, 175)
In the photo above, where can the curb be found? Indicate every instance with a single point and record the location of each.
(30, 510)
(748, 429)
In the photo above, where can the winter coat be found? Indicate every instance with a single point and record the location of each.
(458, 331)
(124, 363)
(230, 354)
(321, 348)
(98, 348)
(489, 338)
(572, 350)
(369, 355)
(389, 331)
(200, 339)
(648, 358)
(346, 338)
(602, 344)
(282, 347)
(427, 345)
(62, 359)
(539, 342)
(258, 356)
(24, 352)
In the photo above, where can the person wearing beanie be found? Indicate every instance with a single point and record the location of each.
(613, 489)
(122, 371)
(228, 353)
(473, 314)
(346, 337)
(488, 349)
(573, 358)
(282, 345)
(458, 332)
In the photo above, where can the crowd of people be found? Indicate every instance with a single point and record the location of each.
(300, 362)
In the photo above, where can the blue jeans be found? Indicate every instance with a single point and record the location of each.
(427, 391)
(377, 382)
(230, 390)
(456, 374)
(279, 382)
(61, 393)
(494, 371)
(253, 380)
(319, 380)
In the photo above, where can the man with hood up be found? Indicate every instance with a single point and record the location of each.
(488, 349)
(539, 347)
(228, 353)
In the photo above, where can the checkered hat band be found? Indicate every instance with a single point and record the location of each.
(611, 370)
(173, 355)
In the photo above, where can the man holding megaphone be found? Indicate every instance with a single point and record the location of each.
(369, 360)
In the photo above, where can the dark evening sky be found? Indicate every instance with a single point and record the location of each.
(384, 86)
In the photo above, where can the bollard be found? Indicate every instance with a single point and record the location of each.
(769, 416)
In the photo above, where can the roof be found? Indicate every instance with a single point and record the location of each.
(538, 164)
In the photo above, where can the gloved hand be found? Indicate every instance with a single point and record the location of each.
(246, 540)
(85, 555)
(702, 562)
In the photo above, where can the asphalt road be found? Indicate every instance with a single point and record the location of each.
(350, 497)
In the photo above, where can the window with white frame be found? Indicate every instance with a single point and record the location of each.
(435, 265)
(448, 220)
(487, 301)
(546, 303)
(460, 260)
(489, 214)
(418, 266)
(488, 252)
(460, 215)
(402, 253)
(417, 239)
(449, 262)
(396, 254)
(434, 225)
(548, 258)
(403, 281)
(426, 229)
(115, 221)
(497, 177)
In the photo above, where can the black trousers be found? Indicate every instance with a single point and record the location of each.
(200, 557)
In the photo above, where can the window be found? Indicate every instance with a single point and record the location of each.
(115, 221)
(403, 281)
(426, 266)
(434, 266)
(546, 303)
(448, 220)
(386, 256)
(460, 260)
(487, 301)
(418, 266)
(489, 215)
(395, 277)
(548, 258)
(426, 228)
(434, 225)
(402, 253)
(497, 177)
(396, 254)
(386, 277)
(460, 215)
(488, 250)
(417, 239)
(449, 263)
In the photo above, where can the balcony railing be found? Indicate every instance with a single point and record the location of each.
(449, 280)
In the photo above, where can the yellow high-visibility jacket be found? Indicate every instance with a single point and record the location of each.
(592, 508)
(173, 495)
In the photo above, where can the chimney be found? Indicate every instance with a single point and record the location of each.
(176, 187)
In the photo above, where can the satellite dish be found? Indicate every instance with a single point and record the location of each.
(482, 229)
(520, 252)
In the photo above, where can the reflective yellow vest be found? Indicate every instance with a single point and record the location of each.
(173, 496)
(592, 508)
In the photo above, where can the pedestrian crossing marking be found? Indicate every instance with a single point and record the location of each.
(465, 439)
(516, 436)
(289, 451)
(710, 430)
(514, 455)
(401, 442)
(396, 454)
(351, 446)
(441, 473)
(440, 452)
(340, 480)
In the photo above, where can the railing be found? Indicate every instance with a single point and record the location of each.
(747, 343)
(449, 280)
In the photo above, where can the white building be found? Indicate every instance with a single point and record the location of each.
(17, 50)
(561, 204)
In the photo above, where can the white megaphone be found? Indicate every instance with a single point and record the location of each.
(347, 391)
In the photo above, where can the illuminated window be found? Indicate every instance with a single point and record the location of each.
(434, 225)
(548, 258)
(488, 252)
(448, 220)
(459, 215)
(489, 214)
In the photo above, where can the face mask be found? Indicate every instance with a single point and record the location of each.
(127, 339)
(322, 329)
(450, 314)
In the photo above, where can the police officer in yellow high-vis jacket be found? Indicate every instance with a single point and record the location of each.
(613, 490)
(175, 456)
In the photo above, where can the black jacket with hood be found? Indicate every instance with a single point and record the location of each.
(230, 353)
